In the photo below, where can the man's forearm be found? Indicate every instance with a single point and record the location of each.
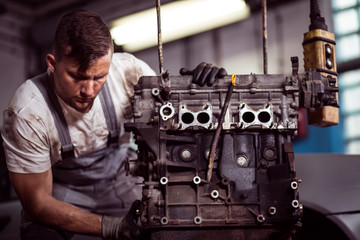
(65, 216)
(34, 191)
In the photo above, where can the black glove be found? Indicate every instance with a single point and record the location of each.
(205, 73)
(125, 228)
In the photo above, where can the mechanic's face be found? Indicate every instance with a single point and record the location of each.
(78, 89)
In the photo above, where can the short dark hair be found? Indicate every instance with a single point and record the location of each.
(84, 36)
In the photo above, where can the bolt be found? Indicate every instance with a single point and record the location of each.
(269, 153)
(263, 163)
(186, 154)
(242, 160)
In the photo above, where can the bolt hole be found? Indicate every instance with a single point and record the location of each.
(228, 200)
(294, 185)
(155, 91)
(272, 210)
(197, 180)
(164, 220)
(197, 220)
(214, 194)
(260, 218)
(225, 181)
(164, 180)
(295, 203)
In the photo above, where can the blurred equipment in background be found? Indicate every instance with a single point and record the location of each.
(319, 54)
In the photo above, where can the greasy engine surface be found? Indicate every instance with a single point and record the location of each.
(253, 191)
(240, 183)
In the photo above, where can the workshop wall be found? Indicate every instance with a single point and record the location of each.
(12, 57)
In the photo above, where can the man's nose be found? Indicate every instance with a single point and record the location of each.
(87, 88)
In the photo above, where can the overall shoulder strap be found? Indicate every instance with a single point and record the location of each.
(110, 114)
(43, 84)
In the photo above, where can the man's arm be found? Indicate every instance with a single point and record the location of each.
(34, 191)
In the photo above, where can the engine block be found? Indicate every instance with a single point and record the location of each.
(253, 192)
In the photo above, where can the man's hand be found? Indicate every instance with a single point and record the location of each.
(205, 73)
(124, 228)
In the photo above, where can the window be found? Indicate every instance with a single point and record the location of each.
(346, 15)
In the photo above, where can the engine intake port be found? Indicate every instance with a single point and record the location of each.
(203, 117)
(264, 117)
(187, 118)
(248, 117)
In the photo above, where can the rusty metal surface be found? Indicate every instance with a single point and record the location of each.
(215, 139)
(265, 35)
(160, 46)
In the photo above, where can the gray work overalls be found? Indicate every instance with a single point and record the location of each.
(95, 182)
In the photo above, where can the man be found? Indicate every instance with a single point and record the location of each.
(64, 138)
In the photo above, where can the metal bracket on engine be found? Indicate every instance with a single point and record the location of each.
(167, 111)
(249, 117)
(189, 118)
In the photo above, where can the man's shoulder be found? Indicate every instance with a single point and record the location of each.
(124, 61)
(123, 56)
(27, 99)
(130, 64)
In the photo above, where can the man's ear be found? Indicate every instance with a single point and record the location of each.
(50, 61)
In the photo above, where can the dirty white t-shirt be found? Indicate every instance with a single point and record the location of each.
(31, 139)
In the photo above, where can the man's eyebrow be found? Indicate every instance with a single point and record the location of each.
(77, 74)
(101, 75)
